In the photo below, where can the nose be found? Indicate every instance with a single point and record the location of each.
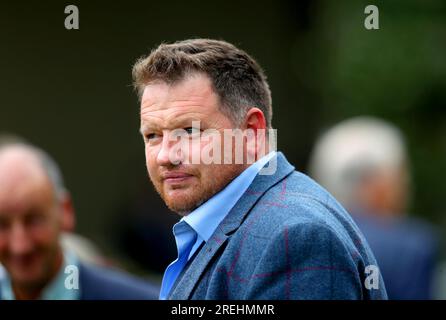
(170, 152)
(20, 242)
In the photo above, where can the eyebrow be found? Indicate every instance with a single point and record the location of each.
(178, 122)
(144, 128)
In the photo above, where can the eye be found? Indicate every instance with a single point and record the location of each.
(192, 131)
(34, 219)
(151, 136)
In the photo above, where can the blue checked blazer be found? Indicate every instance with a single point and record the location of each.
(286, 238)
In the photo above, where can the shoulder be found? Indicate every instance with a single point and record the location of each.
(298, 201)
(298, 242)
(300, 211)
(99, 283)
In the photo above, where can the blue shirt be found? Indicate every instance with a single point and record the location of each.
(199, 225)
(55, 290)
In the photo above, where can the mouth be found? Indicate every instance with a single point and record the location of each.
(176, 177)
(24, 262)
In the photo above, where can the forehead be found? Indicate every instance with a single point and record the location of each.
(193, 95)
(24, 183)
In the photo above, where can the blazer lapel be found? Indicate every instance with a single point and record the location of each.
(189, 279)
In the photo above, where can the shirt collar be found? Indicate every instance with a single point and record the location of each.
(55, 290)
(206, 218)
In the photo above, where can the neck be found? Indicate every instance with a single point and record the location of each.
(34, 291)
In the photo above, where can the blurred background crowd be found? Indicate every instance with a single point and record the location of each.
(363, 112)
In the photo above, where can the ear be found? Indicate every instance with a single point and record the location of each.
(68, 215)
(255, 126)
(255, 119)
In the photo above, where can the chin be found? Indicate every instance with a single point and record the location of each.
(31, 274)
(182, 204)
(181, 207)
(30, 278)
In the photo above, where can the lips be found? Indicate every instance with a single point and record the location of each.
(175, 177)
(25, 261)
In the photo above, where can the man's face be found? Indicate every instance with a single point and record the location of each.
(182, 183)
(29, 219)
(386, 191)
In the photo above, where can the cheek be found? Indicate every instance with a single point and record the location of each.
(45, 235)
(207, 150)
(3, 245)
(150, 154)
(190, 150)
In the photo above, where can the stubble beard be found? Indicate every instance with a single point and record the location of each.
(203, 191)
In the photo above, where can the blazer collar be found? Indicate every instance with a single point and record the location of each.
(187, 281)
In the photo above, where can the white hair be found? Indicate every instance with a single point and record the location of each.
(353, 148)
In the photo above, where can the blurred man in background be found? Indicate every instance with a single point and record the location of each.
(35, 209)
(363, 162)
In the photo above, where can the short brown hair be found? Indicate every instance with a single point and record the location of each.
(237, 78)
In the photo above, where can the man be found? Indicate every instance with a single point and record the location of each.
(35, 209)
(363, 162)
(248, 230)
